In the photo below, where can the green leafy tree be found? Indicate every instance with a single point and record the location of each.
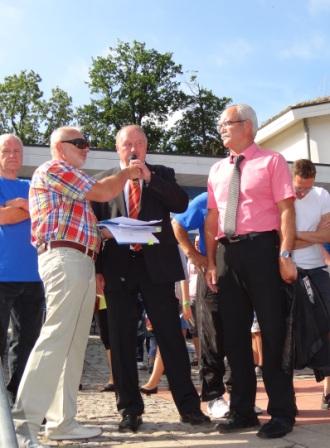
(21, 105)
(131, 85)
(196, 131)
(92, 119)
(57, 111)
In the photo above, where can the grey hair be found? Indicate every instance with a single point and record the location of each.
(61, 133)
(245, 112)
(5, 137)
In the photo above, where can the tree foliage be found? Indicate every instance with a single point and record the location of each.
(57, 111)
(24, 112)
(21, 106)
(196, 131)
(131, 85)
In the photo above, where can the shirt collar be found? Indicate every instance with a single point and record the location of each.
(248, 153)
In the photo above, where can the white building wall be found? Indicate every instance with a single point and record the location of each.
(291, 142)
(190, 170)
(319, 131)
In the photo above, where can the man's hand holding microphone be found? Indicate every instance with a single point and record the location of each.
(145, 173)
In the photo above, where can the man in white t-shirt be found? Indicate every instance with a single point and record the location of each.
(313, 229)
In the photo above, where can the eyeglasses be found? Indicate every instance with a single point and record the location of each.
(227, 123)
(80, 143)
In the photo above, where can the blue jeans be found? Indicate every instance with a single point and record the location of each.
(22, 303)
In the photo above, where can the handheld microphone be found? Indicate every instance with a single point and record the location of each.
(134, 157)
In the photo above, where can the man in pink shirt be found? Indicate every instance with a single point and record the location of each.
(257, 236)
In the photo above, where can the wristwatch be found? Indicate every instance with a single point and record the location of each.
(285, 254)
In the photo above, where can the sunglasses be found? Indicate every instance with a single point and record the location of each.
(80, 143)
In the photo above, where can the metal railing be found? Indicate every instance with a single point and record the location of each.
(7, 430)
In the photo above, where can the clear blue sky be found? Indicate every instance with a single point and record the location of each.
(268, 53)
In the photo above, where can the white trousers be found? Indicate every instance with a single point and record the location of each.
(50, 382)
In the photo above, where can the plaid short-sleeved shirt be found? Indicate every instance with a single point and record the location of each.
(58, 207)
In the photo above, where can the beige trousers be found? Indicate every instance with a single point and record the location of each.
(50, 382)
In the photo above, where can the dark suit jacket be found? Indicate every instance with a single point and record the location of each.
(160, 197)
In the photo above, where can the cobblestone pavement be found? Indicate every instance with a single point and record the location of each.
(161, 427)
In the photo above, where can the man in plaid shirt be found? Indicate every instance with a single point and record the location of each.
(65, 234)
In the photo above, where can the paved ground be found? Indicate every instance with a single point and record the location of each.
(161, 428)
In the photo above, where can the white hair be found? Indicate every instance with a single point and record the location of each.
(61, 133)
(244, 112)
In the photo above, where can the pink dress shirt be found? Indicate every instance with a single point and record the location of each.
(265, 181)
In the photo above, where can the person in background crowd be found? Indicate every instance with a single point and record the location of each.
(251, 216)
(67, 240)
(101, 315)
(212, 368)
(21, 290)
(312, 207)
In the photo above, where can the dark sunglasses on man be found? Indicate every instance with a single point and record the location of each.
(80, 143)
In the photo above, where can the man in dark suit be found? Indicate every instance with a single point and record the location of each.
(150, 270)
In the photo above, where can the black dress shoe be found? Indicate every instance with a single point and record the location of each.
(276, 427)
(325, 403)
(236, 422)
(130, 423)
(108, 388)
(147, 391)
(195, 418)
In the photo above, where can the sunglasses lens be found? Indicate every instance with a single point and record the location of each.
(82, 144)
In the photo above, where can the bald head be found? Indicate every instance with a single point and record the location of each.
(11, 155)
(62, 133)
(131, 141)
(5, 137)
(128, 129)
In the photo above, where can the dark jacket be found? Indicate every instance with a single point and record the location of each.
(308, 328)
(160, 197)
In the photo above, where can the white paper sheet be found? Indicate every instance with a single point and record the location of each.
(130, 231)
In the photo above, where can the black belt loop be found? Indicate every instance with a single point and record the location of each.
(246, 236)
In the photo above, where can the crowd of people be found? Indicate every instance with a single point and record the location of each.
(257, 226)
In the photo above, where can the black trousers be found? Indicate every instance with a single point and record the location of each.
(212, 368)
(22, 303)
(250, 280)
(162, 308)
(101, 317)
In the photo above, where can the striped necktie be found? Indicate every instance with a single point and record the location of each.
(134, 198)
(232, 199)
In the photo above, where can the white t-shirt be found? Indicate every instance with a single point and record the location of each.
(309, 211)
(192, 277)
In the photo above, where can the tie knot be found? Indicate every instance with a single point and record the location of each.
(239, 159)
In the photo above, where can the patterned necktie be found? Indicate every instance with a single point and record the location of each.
(134, 196)
(232, 199)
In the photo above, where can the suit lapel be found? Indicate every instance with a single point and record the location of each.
(120, 201)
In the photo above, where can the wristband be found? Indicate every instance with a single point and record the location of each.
(186, 302)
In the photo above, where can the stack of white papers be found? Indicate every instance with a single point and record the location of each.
(131, 231)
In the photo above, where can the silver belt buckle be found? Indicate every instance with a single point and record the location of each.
(233, 239)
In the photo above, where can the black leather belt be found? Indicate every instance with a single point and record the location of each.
(246, 236)
(71, 244)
